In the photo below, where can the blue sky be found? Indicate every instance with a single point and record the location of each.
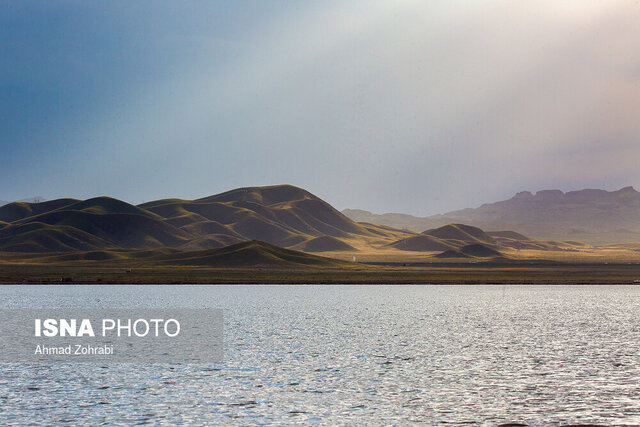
(409, 106)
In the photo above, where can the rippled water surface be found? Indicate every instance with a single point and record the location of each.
(331, 355)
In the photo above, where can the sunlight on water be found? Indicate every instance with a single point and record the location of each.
(358, 355)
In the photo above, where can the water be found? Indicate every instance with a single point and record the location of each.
(330, 355)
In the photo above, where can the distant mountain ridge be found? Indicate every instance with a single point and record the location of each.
(281, 215)
(593, 216)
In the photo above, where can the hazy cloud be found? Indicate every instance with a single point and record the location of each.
(408, 106)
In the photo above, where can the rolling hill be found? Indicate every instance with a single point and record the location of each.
(465, 241)
(281, 215)
(422, 243)
(30, 200)
(473, 251)
(460, 232)
(480, 251)
(71, 225)
(249, 254)
(592, 216)
(104, 229)
(19, 210)
(324, 244)
(448, 237)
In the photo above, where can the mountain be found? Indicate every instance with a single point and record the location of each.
(592, 216)
(281, 215)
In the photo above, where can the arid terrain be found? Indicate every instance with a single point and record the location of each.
(277, 234)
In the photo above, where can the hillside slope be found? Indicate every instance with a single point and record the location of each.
(465, 240)
(71, 225)
(448, 237)
(249, 254)
(281, 215)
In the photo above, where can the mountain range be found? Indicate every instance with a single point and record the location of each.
(281, 215)
(284, 216)
(592, 216)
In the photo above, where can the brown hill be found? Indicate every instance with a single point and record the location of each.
(451, 253)
(19, 210)
(509, 235)
(71, 225)
(450, 236)
(250, 254)
(40, 237)
(478, 250)
(283, 215)
(462, 232)
(108, 205)
(592, 216)
(511, 239)
(324, 244)
(422, 243)
(455, 237)
(470, 252)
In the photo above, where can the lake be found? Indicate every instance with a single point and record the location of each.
(326, 355)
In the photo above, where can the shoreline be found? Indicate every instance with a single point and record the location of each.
(343, 283)
(525, 274)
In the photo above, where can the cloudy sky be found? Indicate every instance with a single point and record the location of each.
(405, 105)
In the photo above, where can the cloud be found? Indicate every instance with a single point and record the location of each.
(407, 106)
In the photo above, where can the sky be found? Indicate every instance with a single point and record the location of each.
(407, 106)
